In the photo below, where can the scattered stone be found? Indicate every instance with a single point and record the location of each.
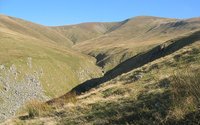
(2, 67)
(138, 76)
(15, 92)
(29, 62)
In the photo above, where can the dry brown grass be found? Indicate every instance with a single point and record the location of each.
(185, 92)
(63, 100)
(35, 108)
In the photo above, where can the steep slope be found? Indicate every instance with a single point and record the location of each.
(33, 65)
(134, 36)
(85, 31)
(150, 94)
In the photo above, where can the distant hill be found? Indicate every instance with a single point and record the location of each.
(134, 36)
(85, 31)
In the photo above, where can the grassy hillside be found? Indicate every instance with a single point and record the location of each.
(143, 59)
(17, 47)
(30, 29)
(134, 36)
(164, 91)
(34, 64)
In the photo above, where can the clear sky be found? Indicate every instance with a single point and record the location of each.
(62, 12)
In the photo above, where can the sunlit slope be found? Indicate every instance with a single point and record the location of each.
(30, 29)
(134, 36)
(60, 68)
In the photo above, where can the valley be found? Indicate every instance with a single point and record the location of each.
(100, 73)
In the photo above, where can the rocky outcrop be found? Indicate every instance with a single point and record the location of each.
(16, 89)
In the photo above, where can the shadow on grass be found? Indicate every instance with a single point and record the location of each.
(148, 109)
(25, 117)
(151, 109)
(139, 60)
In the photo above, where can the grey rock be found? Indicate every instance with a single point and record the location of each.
(17, 92)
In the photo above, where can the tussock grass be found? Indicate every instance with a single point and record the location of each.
(65, 99)
(35, 108)
(185, 90)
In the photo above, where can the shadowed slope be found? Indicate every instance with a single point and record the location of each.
(139, 60)
(135, 35)
(166, 93)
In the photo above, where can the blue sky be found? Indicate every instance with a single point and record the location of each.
(62, 12)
